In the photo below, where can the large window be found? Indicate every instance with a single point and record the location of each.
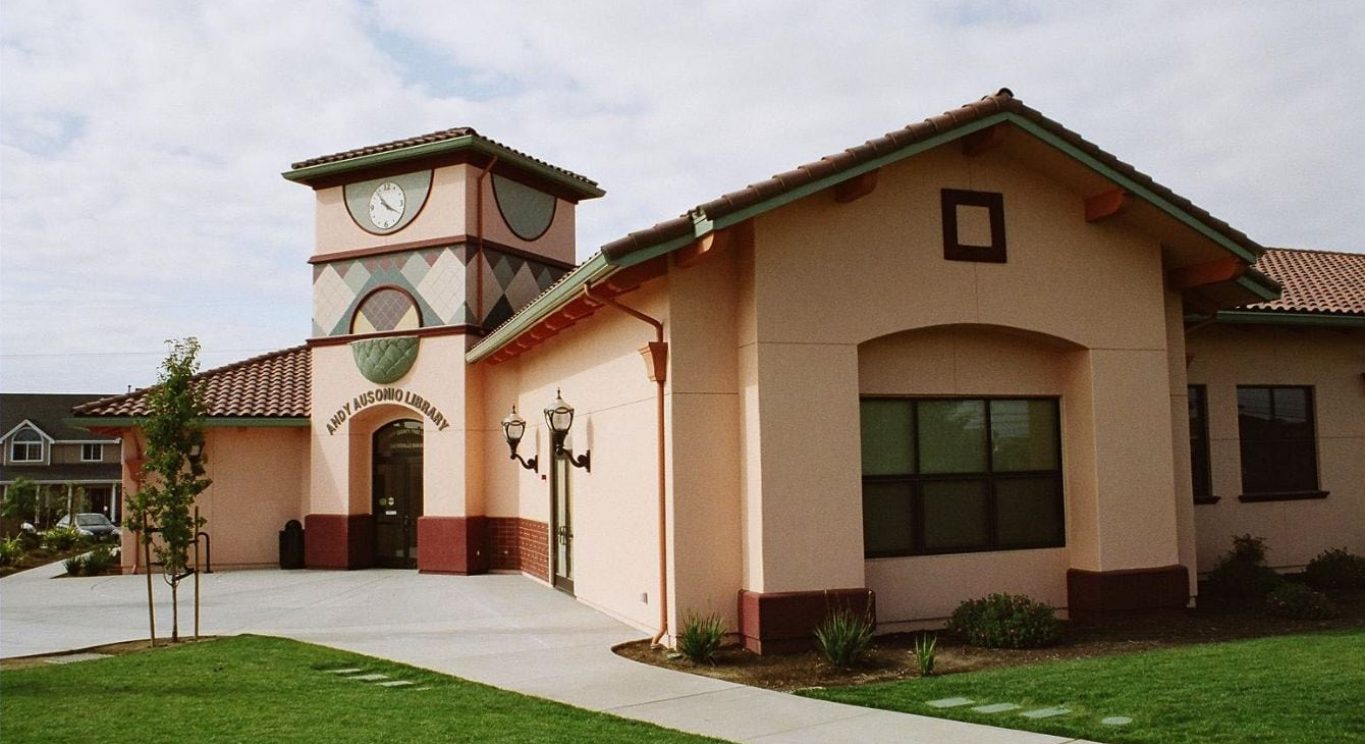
(952, 475)
(1279, 449)
(1200, 472)
(26, 446)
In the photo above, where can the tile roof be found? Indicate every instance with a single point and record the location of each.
(274, 385)
(426, 139)
(48, 411)
(1003, 101)
(1323, 282)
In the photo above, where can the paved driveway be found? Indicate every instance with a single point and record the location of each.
(506, 631)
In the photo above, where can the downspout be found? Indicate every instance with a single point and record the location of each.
(478, 235)
(656, 360)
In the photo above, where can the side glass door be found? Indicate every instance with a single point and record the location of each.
(561, 530)
(397, 493)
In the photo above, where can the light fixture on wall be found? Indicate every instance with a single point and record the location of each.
(196, 457)
(514, 428)
(559, 417)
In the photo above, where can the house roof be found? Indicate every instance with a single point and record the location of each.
(271, 386)
(443, 142)
(736, 206)
(109, 472)
(1314, 282)
(48, 412)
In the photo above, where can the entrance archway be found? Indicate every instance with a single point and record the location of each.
(397, 492)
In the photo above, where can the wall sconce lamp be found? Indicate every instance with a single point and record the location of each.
(514, 428)
(196, 457)
(559, 416)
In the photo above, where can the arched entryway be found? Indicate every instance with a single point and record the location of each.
(397, 492)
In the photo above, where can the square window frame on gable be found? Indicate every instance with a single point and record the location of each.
(994, 203)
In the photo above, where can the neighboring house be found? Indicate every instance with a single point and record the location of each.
(977, 354)
(68, 461)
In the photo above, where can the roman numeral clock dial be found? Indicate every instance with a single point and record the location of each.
(386, 205)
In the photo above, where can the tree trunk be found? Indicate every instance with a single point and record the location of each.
(175, 611)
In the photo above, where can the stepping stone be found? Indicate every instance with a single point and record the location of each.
(1045, 713)
(1116, 721)
(369, 677)
(395, 683)
(351, 670)
(952, 702)
(996, 708)
(73, 658)
(419, 689)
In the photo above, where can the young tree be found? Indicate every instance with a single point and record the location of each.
(21, 500)
(175, 468)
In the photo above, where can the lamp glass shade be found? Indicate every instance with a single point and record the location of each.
(559, 415)
(514, 427)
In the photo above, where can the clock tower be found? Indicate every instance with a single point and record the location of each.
(422, 245)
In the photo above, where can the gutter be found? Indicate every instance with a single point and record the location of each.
(655, 354)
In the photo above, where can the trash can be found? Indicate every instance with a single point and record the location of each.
(291, 545)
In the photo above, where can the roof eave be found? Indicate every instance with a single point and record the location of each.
(576, 184)
(86, 422)
(1283, 317)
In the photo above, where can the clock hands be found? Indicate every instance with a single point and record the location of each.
(387, 205)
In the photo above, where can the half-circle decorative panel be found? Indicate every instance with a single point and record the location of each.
(385, 360)
(526, 211)
(386, 309)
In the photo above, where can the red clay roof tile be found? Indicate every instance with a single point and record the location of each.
(1323, 282)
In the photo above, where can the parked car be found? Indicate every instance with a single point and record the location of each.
(92, 524)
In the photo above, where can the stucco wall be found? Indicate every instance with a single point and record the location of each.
(1331, 361)
(827, 277)
(597, 366)
(443, 215)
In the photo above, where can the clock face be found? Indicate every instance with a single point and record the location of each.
(386, 205)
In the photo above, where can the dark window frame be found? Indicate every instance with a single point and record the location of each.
(1252, 494)
(1201, 460)
(994, 202)
(990, 477)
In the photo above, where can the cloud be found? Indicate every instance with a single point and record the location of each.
(140, 143)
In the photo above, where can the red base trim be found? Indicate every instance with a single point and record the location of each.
(1093, 594)
(338, 541)
(785, 622)
(517, 544)
(452, 545)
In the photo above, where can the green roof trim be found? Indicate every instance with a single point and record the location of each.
(209, 423)
(558, 295)
(1258, 284)
(467, 142)
(1273, 317)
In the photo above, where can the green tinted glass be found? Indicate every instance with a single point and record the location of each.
(1027, 513)
(955, 516)
(886, 518)
(952, 436)
(1024, 435)
(888, 434)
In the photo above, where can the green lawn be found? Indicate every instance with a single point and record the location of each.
(1303, 688)
(255, 689)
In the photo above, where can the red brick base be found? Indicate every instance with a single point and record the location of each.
(516, 544)
(1092, 595)
(338, 541)
(785, 622)
(452, 545)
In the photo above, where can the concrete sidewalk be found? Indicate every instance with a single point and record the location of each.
(506, 631)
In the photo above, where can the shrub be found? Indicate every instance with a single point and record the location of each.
(844, 637)
(62, 538)
(1005, 621)
(11, 549)
(98, 561)
(29, 540)
(1241, 573)
(1336, 569)
(700, 638)
(1299, 602)
(75, 565)
(926, 645)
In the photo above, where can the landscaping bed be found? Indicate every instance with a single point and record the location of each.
(892, 657)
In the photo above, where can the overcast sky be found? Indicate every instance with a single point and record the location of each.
(141, 142)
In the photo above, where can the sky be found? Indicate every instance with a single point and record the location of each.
(141, 143)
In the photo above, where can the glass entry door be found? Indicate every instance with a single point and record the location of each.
(561, 529)
(397, 488)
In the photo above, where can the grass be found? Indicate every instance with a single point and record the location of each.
(1302, 688)
(252, 688)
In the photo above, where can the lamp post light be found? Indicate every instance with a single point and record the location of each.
(559, 417)
(514, 428)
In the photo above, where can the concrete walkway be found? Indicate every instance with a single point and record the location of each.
(506, 631)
